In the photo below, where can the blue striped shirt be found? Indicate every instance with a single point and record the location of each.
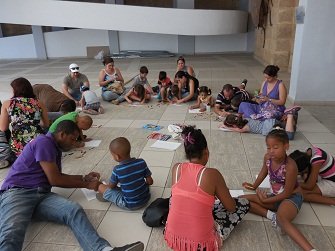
(131, 175)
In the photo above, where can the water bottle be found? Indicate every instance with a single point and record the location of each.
(208, 108)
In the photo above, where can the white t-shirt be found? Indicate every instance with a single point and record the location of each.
(90, 97)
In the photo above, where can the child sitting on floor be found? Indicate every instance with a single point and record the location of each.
(138, 93)
(142, 80)
(204, 99)
(173, 94)
(90, 102)
(285, 197)
(317, 167)
(132, 174)
(164, 83)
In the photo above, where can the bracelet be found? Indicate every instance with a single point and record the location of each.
(270, 100)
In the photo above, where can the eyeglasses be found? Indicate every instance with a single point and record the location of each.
(75, 68)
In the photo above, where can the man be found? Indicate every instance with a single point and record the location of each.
(72, 83)
(26, 193)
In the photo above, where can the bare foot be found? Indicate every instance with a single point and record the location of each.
(90, 111)
(101, 110)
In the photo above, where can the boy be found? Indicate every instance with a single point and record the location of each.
(133, 175)
(164, 83)
(89, 101)
(83, 122)
(142, 80)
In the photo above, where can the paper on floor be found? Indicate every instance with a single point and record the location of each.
(265, 183)
(194, 110)
(93, 143)
(166, 145)
(225, 129)
(89, 194)
(236, 193)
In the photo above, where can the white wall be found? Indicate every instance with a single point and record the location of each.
(17, 47)
(224, 43)
(313, 62)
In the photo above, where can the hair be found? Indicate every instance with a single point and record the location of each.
(140, 90)
(22, 88)
(120, 146)
(279, 134)
(85, 120)
(181, 58)
(107, 60)
(205, 89)
(194, 142)
(67, 106)
(162, 75)
(235, 120)
(271, 70)
(144, 69)
(67, 127)
(180, 74)
(227, 87)
(302, 160)
(236, 101)
(84, 88)
(174, 90)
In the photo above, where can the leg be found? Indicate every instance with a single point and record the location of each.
(163, 93)
(60, 210)
(227, 221)
(109, 96)
(290, 123)
(316, 195)
(115, 196)
(16, 209)
(256, 206)
(121, 98)
(287, 211)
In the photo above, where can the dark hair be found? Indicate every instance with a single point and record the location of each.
(22, 88)
(271, 70)
(235, 120)
(107, 60)
(180, 74)
(174, 90)
(194, 142)
(144, 69)
(120, 145)
(205, 89)
(140, 90)
(227, 87)
(67, 106)
(84, 88)
(67, 127)
(181, 58)
(279, 134)
(236, 101)
(302, 160)
(162, 75)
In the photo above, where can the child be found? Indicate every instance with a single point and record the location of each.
(164, 83)
(317, 163)
(204, 99)
(173, 94)
(83, 122)
(142, 80)
(285, 197)
(138, 93)
(90, 102)
(132, 174)
(192, 222)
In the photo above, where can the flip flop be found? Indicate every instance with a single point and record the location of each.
(292, 110)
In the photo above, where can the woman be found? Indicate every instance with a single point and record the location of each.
(271, 100)
(188, 87)
(24, 113)
(111, 81)
(182, 67)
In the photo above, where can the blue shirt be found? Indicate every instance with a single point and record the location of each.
(131, 175)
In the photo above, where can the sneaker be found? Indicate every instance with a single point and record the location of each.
(100, 197)
(4, 164)
(292, 110)
(274, 221)
(137, 246)
(244, 83)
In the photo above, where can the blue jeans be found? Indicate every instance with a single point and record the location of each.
(19, 205)
(76, 94)
(110, 95)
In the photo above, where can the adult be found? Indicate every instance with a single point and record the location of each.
(271, 100)
(188, 87)
(229, 99)
(26, 193)
(72, 83)
(112, 82)
(182, 67)
(24, 112)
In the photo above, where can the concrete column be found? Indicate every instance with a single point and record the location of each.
(39, 42)
(1, 34)
(113, 36)
(186, 44)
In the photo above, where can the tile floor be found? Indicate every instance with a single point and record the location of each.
(237, 156)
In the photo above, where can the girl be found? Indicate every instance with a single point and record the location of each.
(285, 196)
(194, 189)
(173, 94)
(137, 93)
(90, 102)
(317, 163)
(204, 99)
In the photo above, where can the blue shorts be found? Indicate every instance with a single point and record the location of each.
(296, 199)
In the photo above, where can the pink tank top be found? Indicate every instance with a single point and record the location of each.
(190, 224)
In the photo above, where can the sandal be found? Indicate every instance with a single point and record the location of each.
(292, 110)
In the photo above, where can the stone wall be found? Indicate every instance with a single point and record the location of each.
(279, 38)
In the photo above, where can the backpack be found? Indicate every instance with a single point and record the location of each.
(155, 215)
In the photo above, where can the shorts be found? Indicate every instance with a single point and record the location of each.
(94, 106)
(327, 187)
(296, 199)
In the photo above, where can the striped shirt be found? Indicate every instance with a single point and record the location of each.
(327, 170)
(131, 175)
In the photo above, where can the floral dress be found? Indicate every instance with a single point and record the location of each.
(25, 115)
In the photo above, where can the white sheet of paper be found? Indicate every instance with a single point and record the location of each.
(225, 129)
(89, 194)
(135, 104)
(93, 143)
(194, 110)
(166, 145)
(236, 193)
(265, 183)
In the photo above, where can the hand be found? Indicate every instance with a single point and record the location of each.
(202, 109)
(93, 185)
(77, 103)
(179, 101)
(87, 139)
(92, 176)
(248, 186)
(261, 194)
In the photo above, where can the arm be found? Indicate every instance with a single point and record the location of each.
(126, 97)
(190, 95)
(149, 88)
(103, 82)
(197, 105)
(236, 129)
(65, 90)
(44, 118)
(4, 119)
(219, 111)
(149, 180)
(222, 191)
(190, 70)
(261, 176)
(82, 101)
(313, 177)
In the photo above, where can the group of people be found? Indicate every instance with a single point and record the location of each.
(200, 199)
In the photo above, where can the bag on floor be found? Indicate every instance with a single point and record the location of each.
(155, 215)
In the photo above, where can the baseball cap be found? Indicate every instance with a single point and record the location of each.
(74, 67)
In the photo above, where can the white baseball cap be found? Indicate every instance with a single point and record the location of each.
(74, 67)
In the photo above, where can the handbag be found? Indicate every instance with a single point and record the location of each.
(155, 215)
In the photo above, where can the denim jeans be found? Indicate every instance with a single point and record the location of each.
(19, 205)
(76, 94)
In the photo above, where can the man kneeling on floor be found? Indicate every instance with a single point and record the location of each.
(26, 193)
